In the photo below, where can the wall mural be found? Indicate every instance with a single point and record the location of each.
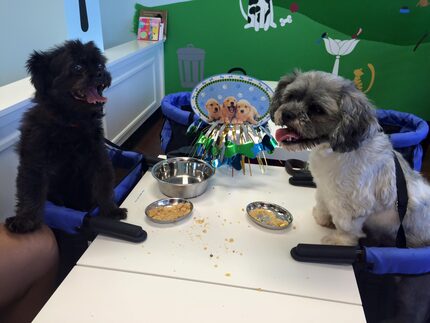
(260, 15)
(294, 7)
(358, 73)
(422, 3)
(191, 64)
(305, 31)
(339, 48)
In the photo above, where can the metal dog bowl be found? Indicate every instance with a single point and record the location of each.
(183, 177)
(282, 218)
(166, 203)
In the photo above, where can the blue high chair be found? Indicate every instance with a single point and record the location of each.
(406, 131)
(379, 266)
(72, 221)
(74, 229)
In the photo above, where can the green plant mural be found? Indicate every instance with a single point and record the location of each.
(383, 62)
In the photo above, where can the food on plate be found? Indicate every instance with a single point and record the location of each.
(268, 217)
(169, 212)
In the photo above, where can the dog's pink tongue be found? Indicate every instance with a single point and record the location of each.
(94, 97)
(283, 134)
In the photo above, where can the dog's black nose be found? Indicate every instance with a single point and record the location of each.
(102, 77)
(287, 116)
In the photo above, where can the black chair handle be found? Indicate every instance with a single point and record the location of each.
(327, 254)
(297, 167)
(114, 228)
(237, 69)
(302, 180)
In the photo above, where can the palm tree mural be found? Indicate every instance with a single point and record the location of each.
(339, 48)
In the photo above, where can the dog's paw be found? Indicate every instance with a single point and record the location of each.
(340, 239)
(323, 219)
(117, 214)
(21, 224)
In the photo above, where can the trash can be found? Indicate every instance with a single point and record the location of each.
(406, 131)
(191, 63)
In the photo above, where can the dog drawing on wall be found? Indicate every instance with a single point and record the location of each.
(259, 15)
(62, 155)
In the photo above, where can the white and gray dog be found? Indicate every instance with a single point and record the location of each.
(351, 160)
(353, 166)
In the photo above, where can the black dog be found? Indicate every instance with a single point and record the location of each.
(61, 149)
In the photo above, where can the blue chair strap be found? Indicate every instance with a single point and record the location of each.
(413, 261)
(402, 202)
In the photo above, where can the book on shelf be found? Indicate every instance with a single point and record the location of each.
(149, 29)
(161, 33)
(162, 14)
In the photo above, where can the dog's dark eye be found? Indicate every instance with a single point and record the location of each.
(77, 68)
(315, 109)
(294, 96)
(100, 67)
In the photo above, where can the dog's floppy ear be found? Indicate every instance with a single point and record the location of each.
(357, 121)
(255, 112)
(38, 68)
(275, 102)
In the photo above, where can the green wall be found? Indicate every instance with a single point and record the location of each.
(402, 78)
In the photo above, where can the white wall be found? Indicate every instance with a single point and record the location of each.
(117, 19)
(74, 29)
(26, 25)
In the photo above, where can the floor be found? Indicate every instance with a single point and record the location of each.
(146, 139)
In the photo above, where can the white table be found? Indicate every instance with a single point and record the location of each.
(97, 295)
(220, 245)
